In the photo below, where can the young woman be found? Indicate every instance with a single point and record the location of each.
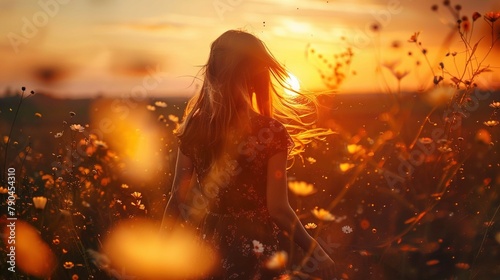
(234, 143)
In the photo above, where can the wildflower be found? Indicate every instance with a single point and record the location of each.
(311, 160)
(491, 123)
(414, 37)
(39, 202)
(59, 134)
(323, 214)
(346, 229)
(345, 166)
(136, 195)
(354, 148)
(462, 265)
(38, 115)
(100, 143)
(151, 107)
(425, 140)
(257, 247)
(495, 104)
(68, 265)
(311, 226)
(124, 186)
(23, 88)
(400, 74)
(492, 16)
(277, 261)
(3, 190)
(74, 277)
(160, 104)
(173, 118)
(475, 16)
(77, 127)
(301, 188)
(444, 149)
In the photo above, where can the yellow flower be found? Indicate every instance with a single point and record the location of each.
(173, 118)
(160, 104)
(311, 160)
(354, 148)
(277, 261)
(345, 166)
(323, 214)
(68, 265)
(495, 104)
(425, 140)
(311, 226)
(301, 188)
(136, 195)
(39, 202)
(491, 123)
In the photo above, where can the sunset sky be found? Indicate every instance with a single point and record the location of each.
(88, 47)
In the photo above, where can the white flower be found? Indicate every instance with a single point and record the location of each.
(77, 127)
(347, 229)
(257, 247)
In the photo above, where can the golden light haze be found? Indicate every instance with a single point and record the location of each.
(85, 48)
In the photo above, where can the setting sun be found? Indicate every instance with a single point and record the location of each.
(293, 84)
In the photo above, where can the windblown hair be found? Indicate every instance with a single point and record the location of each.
(240, 74)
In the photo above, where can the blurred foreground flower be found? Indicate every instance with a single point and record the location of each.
(345, 166)
(301, 188)
(440, 95)
(32, 255)
(354, 148)
(145, 253)
(323, 214)
(40, 202)
(492, 16)
(277, 261)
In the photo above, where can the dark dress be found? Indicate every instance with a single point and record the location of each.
(235, 220)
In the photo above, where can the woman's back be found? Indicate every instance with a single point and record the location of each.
(236, 219)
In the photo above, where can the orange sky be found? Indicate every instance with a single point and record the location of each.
(111, 47)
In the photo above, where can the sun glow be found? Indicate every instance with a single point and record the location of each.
(293, 84)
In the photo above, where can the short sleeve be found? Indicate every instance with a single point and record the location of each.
(278, 139)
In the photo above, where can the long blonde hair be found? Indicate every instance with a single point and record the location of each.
(241, 73)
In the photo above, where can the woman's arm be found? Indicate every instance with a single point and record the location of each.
(182, 181)
(283, 214)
